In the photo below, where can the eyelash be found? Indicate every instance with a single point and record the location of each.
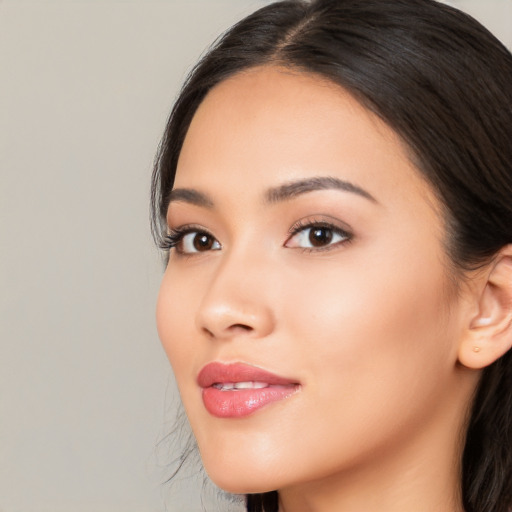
(173, 239)
(305, 224)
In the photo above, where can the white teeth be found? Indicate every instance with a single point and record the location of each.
(244, 385)
(229, 386)
(250, 385)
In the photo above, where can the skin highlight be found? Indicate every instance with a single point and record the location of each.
(369, 326)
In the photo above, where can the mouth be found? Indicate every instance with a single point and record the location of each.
(230, 386)
(237, 390)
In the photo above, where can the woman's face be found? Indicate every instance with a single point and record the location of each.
(309, 260)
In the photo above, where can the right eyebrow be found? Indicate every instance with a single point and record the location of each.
(293, 189)
(191, 196)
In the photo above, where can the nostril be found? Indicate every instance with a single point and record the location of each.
(242, 327)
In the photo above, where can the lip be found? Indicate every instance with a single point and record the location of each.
(222, 401)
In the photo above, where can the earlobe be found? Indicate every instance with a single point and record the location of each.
(489, 333)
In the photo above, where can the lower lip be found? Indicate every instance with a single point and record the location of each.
(242, 402)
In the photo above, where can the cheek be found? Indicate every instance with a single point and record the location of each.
(374, 340)
(375, 360)
(373, 301)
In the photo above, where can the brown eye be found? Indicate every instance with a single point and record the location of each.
(320, 236)
(317, 236)
(202, 242)
(197, 241)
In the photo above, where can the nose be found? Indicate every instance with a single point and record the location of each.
(237, 301)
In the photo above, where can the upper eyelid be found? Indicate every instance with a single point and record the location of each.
(188, 228)
(182, 231)
(309, 225)
(185, 229)
(320, 220)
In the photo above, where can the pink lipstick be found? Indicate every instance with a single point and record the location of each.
(236, 390)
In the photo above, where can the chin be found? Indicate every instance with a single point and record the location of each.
(240, 476)
(238, 484)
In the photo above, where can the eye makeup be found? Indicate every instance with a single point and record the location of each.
(314, 234)
(310, 234)
(189, 239)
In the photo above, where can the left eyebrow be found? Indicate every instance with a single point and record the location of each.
(299, 187)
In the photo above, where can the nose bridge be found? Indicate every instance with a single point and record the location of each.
(236, 300)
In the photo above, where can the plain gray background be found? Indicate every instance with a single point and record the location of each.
(85, 389)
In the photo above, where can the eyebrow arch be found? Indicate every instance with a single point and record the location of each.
(276, 194)
(296, 188)
(189, 195)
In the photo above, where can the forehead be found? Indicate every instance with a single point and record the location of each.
(269, 125)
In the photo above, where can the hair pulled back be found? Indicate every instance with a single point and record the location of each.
(444, 84)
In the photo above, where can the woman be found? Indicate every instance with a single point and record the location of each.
(334, 188)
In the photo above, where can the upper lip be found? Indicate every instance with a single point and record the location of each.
(216, 372)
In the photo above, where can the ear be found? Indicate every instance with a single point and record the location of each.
(489, 333)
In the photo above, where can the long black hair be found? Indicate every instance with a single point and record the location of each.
(444, 84)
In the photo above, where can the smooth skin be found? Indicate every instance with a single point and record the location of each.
(345, 289)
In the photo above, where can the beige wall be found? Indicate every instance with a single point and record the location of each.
(84, 386)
